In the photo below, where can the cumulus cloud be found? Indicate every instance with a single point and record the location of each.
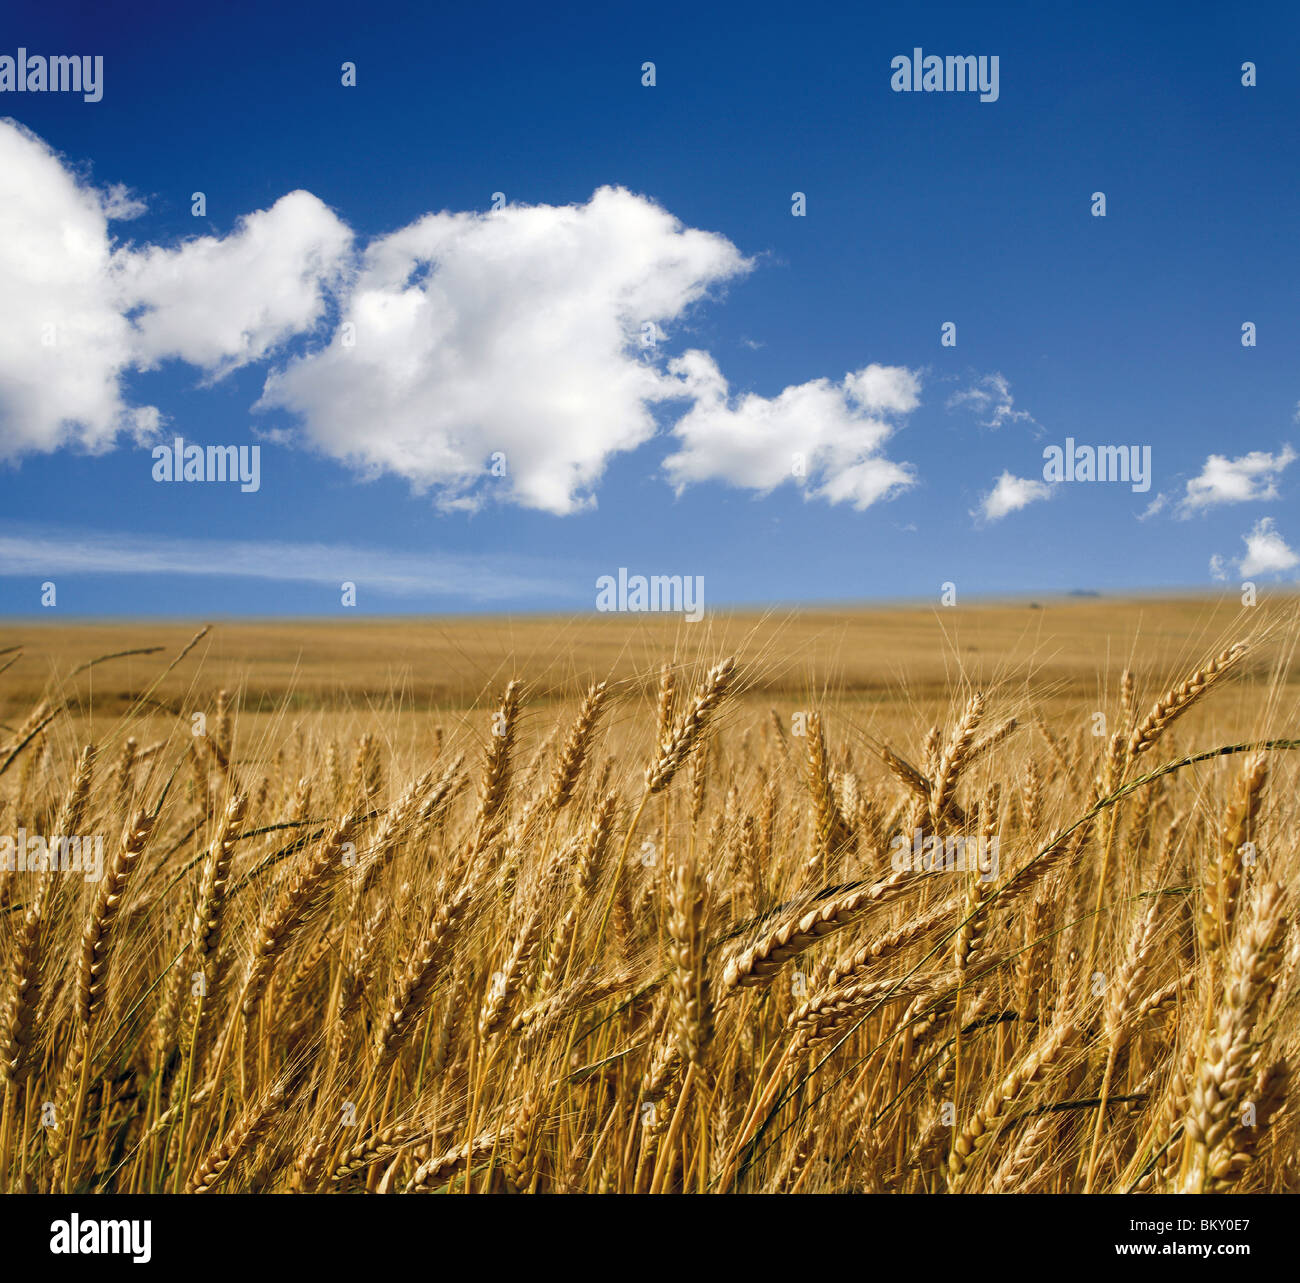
(826, 437)
(1251, 478)
(474, 355)
(514, 333)
(1267, 553)
(64, 341)
(1010, 494)
(80, 311)
(991, 396)
(222, 302)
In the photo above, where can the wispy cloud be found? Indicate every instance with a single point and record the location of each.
(1155, 507)
(991, 397)
(47, 553)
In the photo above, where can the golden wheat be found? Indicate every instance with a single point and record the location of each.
(324, 956)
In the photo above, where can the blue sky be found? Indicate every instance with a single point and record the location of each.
(518, 330)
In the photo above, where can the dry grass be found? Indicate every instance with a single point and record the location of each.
(628, 927)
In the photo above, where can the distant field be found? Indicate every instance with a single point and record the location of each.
(1064, 653)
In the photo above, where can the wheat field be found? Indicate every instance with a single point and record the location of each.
(851, 902)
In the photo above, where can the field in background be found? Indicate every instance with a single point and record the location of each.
(421, 910)
(893, 663)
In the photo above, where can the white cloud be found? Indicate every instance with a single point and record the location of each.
(120, 204)
(1267, 553)
(1010, 494)
(514, 332)
(53, 552)
(80, 312)
(1251, 478)
(222, 302)
(990, 395)
(64, 341)
(1157, 505)
(276, 436)
(835, 430)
